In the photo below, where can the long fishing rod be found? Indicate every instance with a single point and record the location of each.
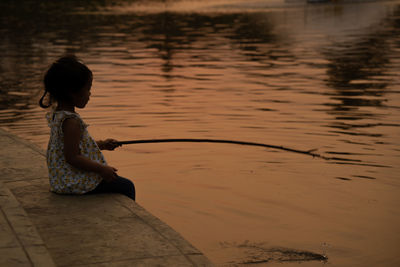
(196, 140)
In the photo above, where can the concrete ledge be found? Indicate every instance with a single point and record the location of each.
(65, 230)
(20, 243)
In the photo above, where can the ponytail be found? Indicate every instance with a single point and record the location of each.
(41, 104)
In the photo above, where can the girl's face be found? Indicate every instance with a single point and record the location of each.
(81, 98)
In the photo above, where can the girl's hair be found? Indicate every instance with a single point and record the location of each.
(65, 76)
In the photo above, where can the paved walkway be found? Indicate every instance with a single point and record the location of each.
(39, 228)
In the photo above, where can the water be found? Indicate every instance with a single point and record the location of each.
(301, 75)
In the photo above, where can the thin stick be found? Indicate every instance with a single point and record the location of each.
(307, 152)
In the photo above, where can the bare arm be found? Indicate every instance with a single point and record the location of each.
(72, 133)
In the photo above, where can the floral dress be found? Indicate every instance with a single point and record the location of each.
(64, 178)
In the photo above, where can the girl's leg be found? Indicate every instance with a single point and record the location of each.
(118, 185)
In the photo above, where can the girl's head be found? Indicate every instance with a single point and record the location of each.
(67, 80)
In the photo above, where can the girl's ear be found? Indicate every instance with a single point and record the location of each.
(72, 96)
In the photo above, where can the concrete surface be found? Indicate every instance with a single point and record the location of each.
(39, 228)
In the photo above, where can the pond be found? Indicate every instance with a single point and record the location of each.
(302, 75)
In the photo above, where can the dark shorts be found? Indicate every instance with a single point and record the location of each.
(119, 185)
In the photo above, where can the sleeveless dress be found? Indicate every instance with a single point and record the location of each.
(63, 177)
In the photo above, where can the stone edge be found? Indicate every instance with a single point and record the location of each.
(188, 250)
(23, 141)
(26, 233)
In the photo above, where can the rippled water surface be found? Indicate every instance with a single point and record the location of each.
(305, 76)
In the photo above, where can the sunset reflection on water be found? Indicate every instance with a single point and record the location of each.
(285, 73)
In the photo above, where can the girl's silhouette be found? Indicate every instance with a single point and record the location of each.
(75, 162)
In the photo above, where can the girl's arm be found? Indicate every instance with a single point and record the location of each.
(72, 133)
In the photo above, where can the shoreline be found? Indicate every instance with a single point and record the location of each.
(40, 228)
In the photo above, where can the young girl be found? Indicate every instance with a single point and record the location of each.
(75, 162)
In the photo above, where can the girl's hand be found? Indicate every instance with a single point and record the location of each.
(108, 173)
(108, 144)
